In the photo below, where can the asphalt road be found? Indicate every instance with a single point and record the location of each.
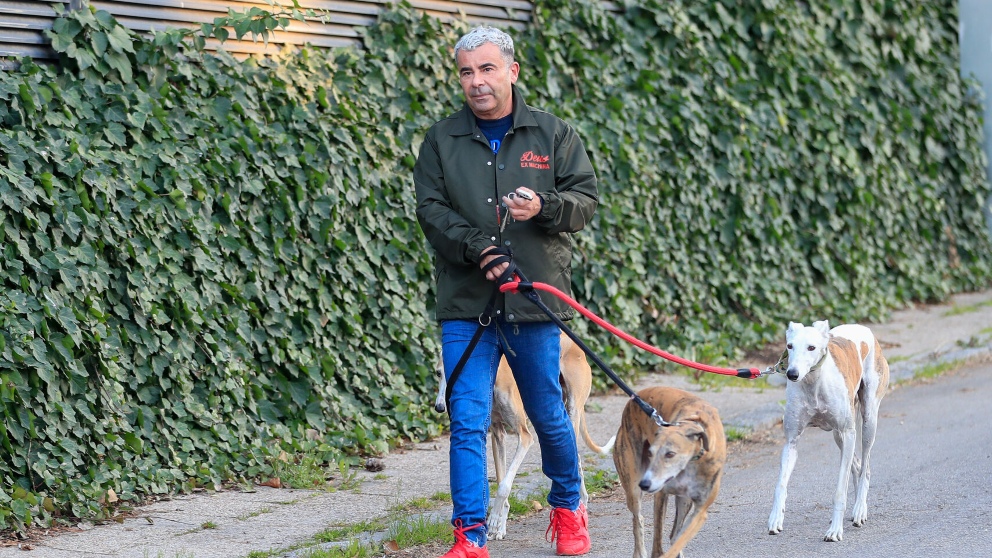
(931, 492)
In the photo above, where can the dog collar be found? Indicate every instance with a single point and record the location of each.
(819, 363)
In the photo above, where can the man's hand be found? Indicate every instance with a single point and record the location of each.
(520, 208)
(494, 273)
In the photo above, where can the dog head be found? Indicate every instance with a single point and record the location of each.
(671, 450)
(807, 346)
(442, 385)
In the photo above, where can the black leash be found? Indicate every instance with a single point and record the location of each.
(527, 289)
(503, 255)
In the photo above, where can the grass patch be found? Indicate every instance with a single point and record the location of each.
(934, 370)
(525, 505)
(958, 310)
(734, 434)
(896, 359)
(257, 513)
(601, 480)
(418, 530)
(442, 497)
(401, 528)
(354, 549)
(344, 532)
(416, 504)
(308, 471)
(203, 527)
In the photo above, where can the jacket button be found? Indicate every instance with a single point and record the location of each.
(509, 316)
(490, 200)
(490, 163)
(506, 242)
(501, 165)
(493, 238)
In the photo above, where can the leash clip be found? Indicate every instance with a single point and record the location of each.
(779, 367)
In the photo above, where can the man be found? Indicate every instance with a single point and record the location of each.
(500, 174)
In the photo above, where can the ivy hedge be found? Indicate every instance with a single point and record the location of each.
(206, 262)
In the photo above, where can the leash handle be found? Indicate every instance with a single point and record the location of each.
(524, 287)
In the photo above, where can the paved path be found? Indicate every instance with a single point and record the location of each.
(269, 519)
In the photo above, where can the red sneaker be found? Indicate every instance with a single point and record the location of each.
(571, 529)
(465, 548)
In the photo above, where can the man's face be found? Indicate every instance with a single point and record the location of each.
(486, 81)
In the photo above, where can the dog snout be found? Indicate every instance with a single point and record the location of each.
(792, 374)
(645, 484)
(439, 407)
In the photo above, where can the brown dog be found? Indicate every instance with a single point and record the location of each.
(508, 417)
(684, 460)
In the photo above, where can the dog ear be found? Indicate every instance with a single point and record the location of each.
(822, 326)
(696, 430)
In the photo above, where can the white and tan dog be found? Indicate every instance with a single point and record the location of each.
(837, 378)
(508, 416)
(684, 460)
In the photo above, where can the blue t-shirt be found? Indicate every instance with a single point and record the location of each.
(495, 130)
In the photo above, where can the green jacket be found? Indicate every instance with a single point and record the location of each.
(460, 183)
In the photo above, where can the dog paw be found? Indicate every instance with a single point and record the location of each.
(497, 519)
(860, 515)
(775, 523)
(834, 535)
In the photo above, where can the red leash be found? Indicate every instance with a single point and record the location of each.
(749, 373)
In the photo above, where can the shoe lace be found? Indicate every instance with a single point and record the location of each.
(460, 537)
(563, 521)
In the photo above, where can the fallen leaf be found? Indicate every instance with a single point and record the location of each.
(391, 546)
(536, 505)
(274, 482)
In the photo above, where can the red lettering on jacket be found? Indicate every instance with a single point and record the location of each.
(530, 160)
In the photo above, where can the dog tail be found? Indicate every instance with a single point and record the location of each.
(602, 450)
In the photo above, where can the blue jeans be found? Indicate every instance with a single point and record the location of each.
(534, 359)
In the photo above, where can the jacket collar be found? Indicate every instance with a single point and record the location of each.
(521, 116)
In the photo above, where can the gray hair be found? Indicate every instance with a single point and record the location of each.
(484, 34)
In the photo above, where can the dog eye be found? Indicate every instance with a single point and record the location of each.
(670, 454)
(811, 348)
(789, 346)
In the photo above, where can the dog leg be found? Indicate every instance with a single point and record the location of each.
(868, 428)
(696, 519)
(777, 517)
(683, 505)
(660, 512)
(836, 531)
(500, 508)
(633, 493)
(855, 460)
